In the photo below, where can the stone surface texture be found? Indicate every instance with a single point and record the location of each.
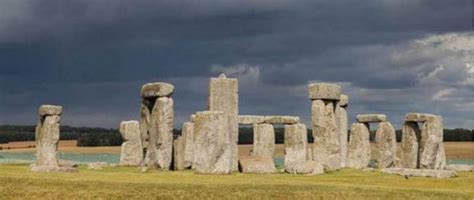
(187, 132)
(342, 123)
(296, 147)
(326, 91)
(158, 89)
(411, 135)
(281, 119)
(251, 119)
(50, 110)
(432, 155)
(326, 147)
(263, 140)
(371, 118)
(179, 153)
(160, 141)
(358, 156)
(213, 149)
(460, 168)
(386, 145)
(131, 150)
(224, 96)
(257, 165)
(421, 172)
(47, 138)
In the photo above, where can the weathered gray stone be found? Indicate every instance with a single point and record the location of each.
(47, 138)
(97, 165)
(410, 136)
(251, 119)
(386, 145)
(193, 116)
(224, 96)
(371, 118)
(296, 142)
(132, 149)
(326, 91)
(263, 140)
(344, 101)
(460, 168)
(145, 112)
(280, 119)
(326, 149)
(432, 148)
(257, 165)
(50, 110)
(358, 155)
(158, 89)
(341, 120)
(418, 117)
(179, 153)
(421, 172)
(188, 133)
(213, 150)
(160, 141)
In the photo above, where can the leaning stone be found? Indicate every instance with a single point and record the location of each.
(160, 142)
(296, 142)
(131, 149)
(47, 138)
(263, 140)
(386, 145)
(178, 153)
(421, 172)
(50, 110)
(257, 165)
(371, 118)
(281, 120)
(158, 89)
(461, 168)
(325, 91)
(213, 150)
(188, 133)
(251, 119)
(432, 153)
(418, 117)
(224, 96)
(326, 149)
(410, 136)
(341, 120)
(358, 155)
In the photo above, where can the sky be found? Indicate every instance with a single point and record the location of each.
(92, 57)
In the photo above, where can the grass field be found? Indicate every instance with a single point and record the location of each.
(127, 182)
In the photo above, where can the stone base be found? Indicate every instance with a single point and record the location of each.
(257, 165)
(307, 167)
(421, 172)
(35, 168)
(461, 168)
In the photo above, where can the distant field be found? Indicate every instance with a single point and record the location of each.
(454, 150)
(124, 183)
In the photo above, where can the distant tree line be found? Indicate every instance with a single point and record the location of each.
(87, 136)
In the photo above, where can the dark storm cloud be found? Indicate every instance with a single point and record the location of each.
(93, 56)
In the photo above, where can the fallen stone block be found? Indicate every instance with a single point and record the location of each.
(371, 118)
(257, 165)
(460, 168)
(421, 172)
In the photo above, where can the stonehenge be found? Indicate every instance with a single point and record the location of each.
(47, 138)
(423, 148)
(326, 147)
(224, 97)
(131, 153)
(385, 142)
(156, 121)
(213, 148)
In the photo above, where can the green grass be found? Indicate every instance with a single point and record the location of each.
(16, 181)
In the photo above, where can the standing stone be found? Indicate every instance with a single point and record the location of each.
(326, 137)
(47, 138)
(341, 119)
(160, 141)
(432, 155)
(145, 111)
(223, 96)
(213, 150)
(263, 140)
(410, 137)
(188, 133)
(296, 143)
(358, 156)
(131, 150)
(178, 153)
(386, 145)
